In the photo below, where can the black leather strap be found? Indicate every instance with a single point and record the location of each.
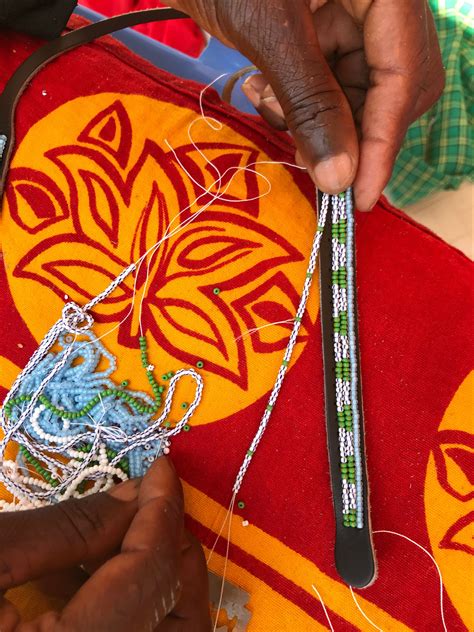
(20, 79)
(354, 554)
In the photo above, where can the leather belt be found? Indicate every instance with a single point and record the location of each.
(353, 547)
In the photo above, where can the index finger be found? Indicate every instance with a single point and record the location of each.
(140, 584)
(406, 79)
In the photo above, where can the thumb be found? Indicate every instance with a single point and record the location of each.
(284, 45)
(42, 541)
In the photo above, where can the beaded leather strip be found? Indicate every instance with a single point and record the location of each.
(3, 144)
(346, 362)
(344, 419)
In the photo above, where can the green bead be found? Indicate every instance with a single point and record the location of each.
(184, 405)
(216, 291)
(200, 364)
(187, 428)
(241, 504)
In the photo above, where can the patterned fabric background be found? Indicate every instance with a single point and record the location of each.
(93, 184)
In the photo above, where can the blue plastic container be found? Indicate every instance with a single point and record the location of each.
(215, 60)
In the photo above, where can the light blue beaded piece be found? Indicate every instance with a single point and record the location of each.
(85, 376)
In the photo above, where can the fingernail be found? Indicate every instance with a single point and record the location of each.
(257, 82)
(334, 174)
(252, 95)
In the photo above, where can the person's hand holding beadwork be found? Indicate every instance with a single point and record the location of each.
(146, 573)
(346, 76)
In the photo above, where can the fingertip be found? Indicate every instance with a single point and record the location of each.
(366, 197)
(160, 480)
(127, 491)
(335, 174)
(365, 202)
(365, 208)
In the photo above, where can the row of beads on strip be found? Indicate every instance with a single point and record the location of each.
(3, 144)
(345, 356)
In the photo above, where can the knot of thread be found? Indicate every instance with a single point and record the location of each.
(75, 319)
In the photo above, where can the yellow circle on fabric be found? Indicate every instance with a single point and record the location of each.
(93, 185)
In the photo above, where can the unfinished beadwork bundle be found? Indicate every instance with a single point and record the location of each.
(78, 432)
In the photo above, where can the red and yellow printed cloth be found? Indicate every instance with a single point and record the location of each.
(93, 184)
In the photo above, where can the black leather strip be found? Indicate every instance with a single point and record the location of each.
(20, 79)
(354, 556)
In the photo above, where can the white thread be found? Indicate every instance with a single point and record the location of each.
(324, 607)
(441, 595)
(362, 612)
(250, 332)
(228, 516)
(226, 559)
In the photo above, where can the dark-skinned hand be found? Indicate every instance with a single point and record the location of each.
(347, 77)
(148, 574)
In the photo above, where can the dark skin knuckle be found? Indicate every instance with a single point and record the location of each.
(260, 29)
(311, 110)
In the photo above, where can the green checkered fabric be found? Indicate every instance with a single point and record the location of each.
(438, 151)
